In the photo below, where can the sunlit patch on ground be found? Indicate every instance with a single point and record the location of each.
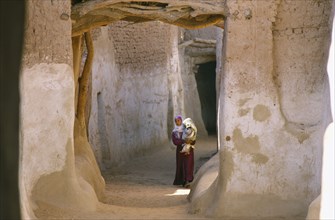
(179, 192)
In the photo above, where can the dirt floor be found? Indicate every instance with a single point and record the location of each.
(142, 188)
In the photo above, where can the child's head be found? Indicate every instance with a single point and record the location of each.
(178, 120)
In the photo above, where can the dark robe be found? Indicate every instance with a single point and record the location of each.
(188, 166)
(179, 176)
(184, 162)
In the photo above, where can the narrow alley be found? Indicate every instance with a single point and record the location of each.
(142, 188)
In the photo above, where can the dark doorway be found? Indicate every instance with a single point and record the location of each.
(205, 78)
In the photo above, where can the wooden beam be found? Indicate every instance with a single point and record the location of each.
(84, 80)
(186, 14)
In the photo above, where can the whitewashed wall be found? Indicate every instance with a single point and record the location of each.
(135, 78)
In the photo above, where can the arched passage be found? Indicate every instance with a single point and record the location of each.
(92, 14)
(132, 99)
(129, 76)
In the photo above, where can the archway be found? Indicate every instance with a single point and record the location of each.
(203, 20)
(91, 14)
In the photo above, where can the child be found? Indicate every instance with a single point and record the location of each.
(189, 135)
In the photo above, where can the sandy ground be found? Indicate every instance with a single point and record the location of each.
(142, 188)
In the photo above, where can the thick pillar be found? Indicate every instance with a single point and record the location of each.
(47, 116)
(273, 109)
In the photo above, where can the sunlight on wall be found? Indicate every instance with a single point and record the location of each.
(327, 194)
(330, 69)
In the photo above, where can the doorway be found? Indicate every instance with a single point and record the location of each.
(205, 79)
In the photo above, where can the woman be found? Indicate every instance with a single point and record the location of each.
(184, 160)
(177, 140)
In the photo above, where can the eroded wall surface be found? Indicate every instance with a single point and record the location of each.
(47, 172)
(273, 110)
(136, 82)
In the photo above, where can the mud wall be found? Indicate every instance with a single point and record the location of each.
(208, 33)
(273, 109)
(136, 82)
(47, 170)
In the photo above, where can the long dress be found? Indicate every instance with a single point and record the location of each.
(188, 167)
(180, 171)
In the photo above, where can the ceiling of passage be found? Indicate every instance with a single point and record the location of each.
(189, 14)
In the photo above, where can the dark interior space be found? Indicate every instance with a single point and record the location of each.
(205, 78)
(12, 15)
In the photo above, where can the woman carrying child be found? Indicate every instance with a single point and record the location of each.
(181, 137)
